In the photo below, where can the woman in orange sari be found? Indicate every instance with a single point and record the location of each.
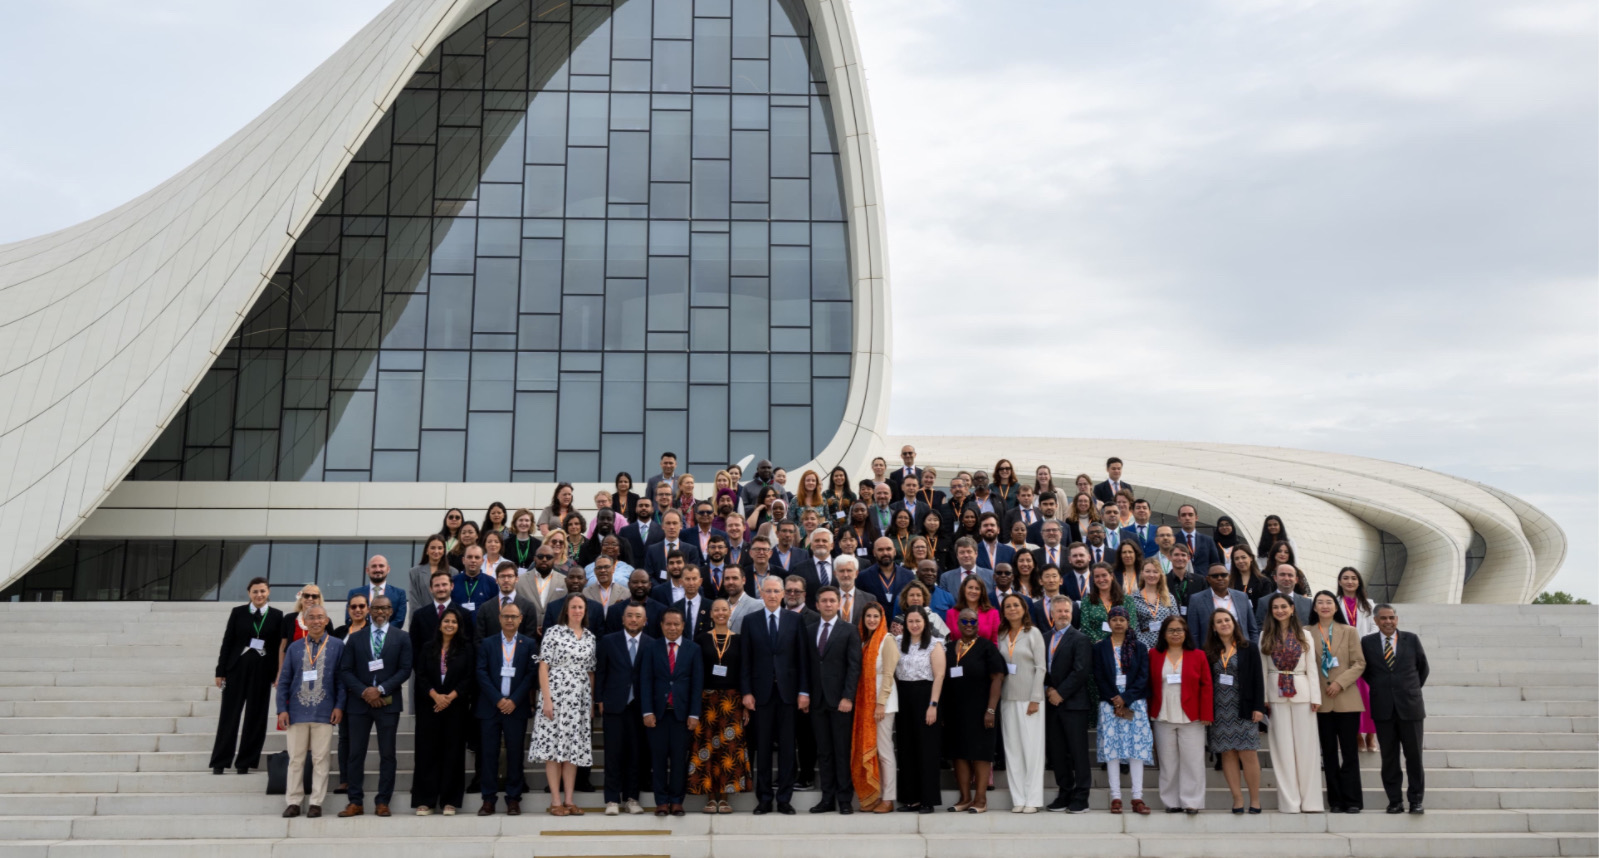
(872, 763)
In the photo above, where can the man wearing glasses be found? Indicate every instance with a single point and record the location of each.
(1219, 595)
(376, 661)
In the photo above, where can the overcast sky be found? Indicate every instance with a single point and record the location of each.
(1363, 227)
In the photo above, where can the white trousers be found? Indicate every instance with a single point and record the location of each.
(1024, 752)
(885, 757)
(1296, 758)
(318, 739)
(1182, 764)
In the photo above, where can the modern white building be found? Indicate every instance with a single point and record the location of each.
(487, 246)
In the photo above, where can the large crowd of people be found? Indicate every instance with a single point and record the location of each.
(854, 640)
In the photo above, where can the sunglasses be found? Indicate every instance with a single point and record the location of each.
(1217, 576)
(968, 622)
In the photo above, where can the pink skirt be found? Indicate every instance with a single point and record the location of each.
(1366, 724)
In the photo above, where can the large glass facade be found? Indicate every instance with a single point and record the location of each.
(585, 233)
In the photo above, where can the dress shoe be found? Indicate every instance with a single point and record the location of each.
(1335, 808)
(1417, 808)
(217, 770)
(1351, 809)
(663, 810)
(243, 770)
(926, 808)
(313, 812)
(291, 811)
(785, 808)
(763, 808)
(805, 786)
(351, 810)
(1396, 808)
(909, 808)
(513, 807)
(845, 809)
(1174, 810)
(382, 810)
(677, 810)
(1191, 811)
(824, 807)
(487, 809)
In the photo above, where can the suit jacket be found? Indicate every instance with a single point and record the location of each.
(1351, 665)
(702, 617)
(1015, 514)
(1206, 554)
(835, 670)
(1396, 691)
(712, 583)
(1130, 532)
(488, 617)
(950, 582)
(238, 633)
(1250, 681)
(593, 620)
(1068, 584)
(394, 593)
(1107, 554)
(663, 593)
(356, 673)
(774, 670)
(875, 526)
(615, 674)
(1202, 605)
(1103, 492)
(1195, 692)
(917, 514)
(527, 587)
(637, 542)
(870, 579)
(655, 556)
(1002, 554)
(425, 623)
(683, 679)
(652, 617)
(806, 568)
(950, 515)
(995, 500)
(691, 535)
(490, 658)
(460, 676)
(896, 480)
(1070, 671)
(858, 603)
(1301, 607)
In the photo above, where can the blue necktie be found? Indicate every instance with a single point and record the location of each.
(377, 642)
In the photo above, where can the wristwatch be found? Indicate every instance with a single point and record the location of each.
(933, 704)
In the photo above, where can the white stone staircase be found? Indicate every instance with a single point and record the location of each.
(107, 713)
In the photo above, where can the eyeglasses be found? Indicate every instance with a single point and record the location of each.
(1218, 576)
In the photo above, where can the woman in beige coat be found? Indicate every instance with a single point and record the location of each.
(1021, 704)
(1293, 695)
(1339, 663)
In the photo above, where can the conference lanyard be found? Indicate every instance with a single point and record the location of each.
(721, 647)
(960, 653)
(259, 621)
(469, 587)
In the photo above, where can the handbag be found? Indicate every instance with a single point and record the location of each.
(278, 773)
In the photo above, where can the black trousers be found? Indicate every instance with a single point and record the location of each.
(627, 753)
(1066, 746)
(247, 692)
(513, 730)
(1340, 757)
(774, 735)
(832, 731)
(669, 758)
(440, 775)
(806, 771)
(361, 724)
(344, 751)
(1396, 735)
(916, 746)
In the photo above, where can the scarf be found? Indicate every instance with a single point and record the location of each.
(865, 769)
(1286, 656)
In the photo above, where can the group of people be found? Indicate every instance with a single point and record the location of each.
(763, 641)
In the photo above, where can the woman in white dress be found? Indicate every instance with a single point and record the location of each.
(563, 728)
(1293, 694)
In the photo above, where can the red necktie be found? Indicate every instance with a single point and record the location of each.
(671, 667)
(441, 612)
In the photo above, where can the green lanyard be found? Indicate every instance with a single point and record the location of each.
(259, 622)
(469, 588)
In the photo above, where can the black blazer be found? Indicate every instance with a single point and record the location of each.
(1071, 671)
(1137, 672)
(655, 556)
(424, 626)
(836, 670)
(896, 481)
(922, 509)
(806, 568)
(1396, 691)
(357, 677)
(1248, 680)
(702, 619)
(950, 516)
(488, 618)
(460, 675)
(237, 635)
(652, 617)
(615, 674)
(1103, 494)
(627, 504)
(774, 671)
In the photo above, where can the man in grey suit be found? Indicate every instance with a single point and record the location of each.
(488, 613)
(852, 599)
(1066, 690)
(1396, 670)
(966, 560)
(1201, 605)
(1286, 577)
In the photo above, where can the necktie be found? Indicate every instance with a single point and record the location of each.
(506, 602)
(1098, 552)
(824, 573)
(690, 606)
(1388, 651)
(771, 628)
(671, 667)
(1142, 537)
(441, 611)
(1190, 544)
(632, 650)
(849, 599)
(821, 642)
(377, 642)
(1054, 557)
(1027, 515)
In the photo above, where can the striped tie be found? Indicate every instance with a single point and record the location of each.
(1388, 651)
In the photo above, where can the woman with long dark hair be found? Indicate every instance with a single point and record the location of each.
(1272, 531)
(1121, 678)
(625, 500)
(872, 758)
(553, 514)
(496, 520)
(435, 558)
(453, 519)
(1246, 574)
(837, 497)
(1358, 611)
(1129, 565)
(1339, 666)
(1294, 695)
(445, 679)
(1005, 483)
(919, 680)
(1239, 706)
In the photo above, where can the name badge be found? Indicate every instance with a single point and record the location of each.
(861, 551)
(956, 672)
(375, 665)
(1332, 662)
(470, 606)
(718, 670)
(1121, 683)
(507, 671)
(1182, 612)
(1011, 669)
(1154, 625)
(308, 675)
(1174, 679)
(1225, 679)
(258, 645)
(1105, 626)
(839, 515)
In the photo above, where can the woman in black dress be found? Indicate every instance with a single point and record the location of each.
(970, 698)
(446, 675)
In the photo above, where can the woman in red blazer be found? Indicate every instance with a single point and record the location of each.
(1180, 708)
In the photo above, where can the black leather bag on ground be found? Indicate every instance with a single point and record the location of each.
(278, 773)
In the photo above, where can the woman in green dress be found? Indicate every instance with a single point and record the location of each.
(1104, 593)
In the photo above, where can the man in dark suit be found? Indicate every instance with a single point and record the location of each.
(1098, 550)
(1184, 579)
(1105, 492)
(758, 566)
(488, 613)
(425, 619)
(1051, 543)
(912, 503)
(886, 578)
(716, 562)
(817, 566)
(1023, 511)
(699, 535)
(670, 590)
(990, 551)
(1218, 595)
(377, 574)
(593, 618)
(983, 495)
(852, 601)
(1076, 579)
(671, 679)
(642, 533)
(1046, 514)
(1286, 577)
(950, 511)
(638, 591)
(775, 682)
(245, 673)
(506, 677)
(907, 471)
(694, 607)
(668, 475)
(671, 531)
(1396, 671)
(835, 654)
(1067, 681)
(1202, 547)
(375, 663)
(1142, 530)
(616, 689)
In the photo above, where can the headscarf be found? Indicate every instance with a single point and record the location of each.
(866, 770)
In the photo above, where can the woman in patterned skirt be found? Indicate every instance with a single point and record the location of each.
(718, 765)
(1104, 595)
(563, 728)
(1240, 706)
(1121, 672)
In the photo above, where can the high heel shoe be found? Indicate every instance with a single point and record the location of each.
(1254, 810)
(1238, 811)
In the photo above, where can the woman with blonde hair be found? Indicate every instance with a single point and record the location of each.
(293, 626)
(1152, 603)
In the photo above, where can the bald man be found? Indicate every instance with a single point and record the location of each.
(377, 577)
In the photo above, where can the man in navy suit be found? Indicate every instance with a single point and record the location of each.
(506, 676)
(1105, 492)
(616, 689)
(880, 514)
(1201, 548)
(1218, 595)
(1142, 530)
(375, 663)
(377, 574)
(817, 567)
(425, 619)
(1076, 579)
(907, 471)
(885, 579)
(912, 503)
(695, 607)
(699, 535)
(990, 551)
(775, 681)
(1046, 514)
(834, 651)
(671, 532)
(716, 562)
(671, 679)
(668, 475)
(642, 533)
(670, 590)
